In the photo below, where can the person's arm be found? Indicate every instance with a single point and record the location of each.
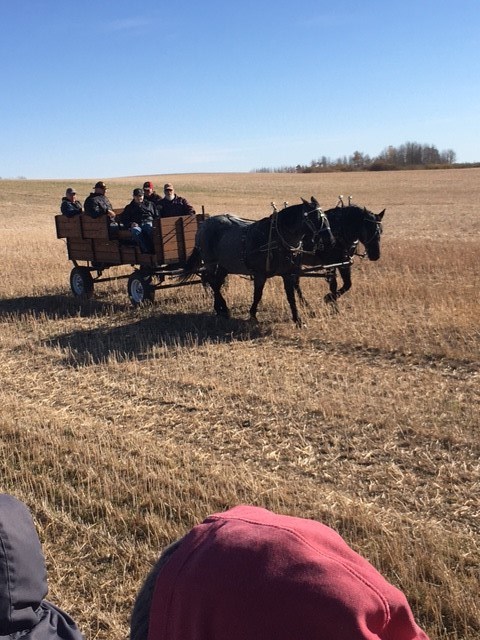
(189, 210)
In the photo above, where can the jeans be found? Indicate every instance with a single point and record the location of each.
(143, 236)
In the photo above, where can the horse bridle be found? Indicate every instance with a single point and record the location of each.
(377, 232)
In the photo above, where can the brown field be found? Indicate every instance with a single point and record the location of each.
(121, 428)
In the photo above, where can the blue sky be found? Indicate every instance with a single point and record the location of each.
(110, 88)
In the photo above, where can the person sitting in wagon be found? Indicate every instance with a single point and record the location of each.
(70, 206)
(150, 194)
(97, 204)
(174, 205)
(138, 216)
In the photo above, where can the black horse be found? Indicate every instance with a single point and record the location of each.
(350, 225)
(226, 244)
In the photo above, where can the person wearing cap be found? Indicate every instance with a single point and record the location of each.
(251, 574)
(24, 612)
(138, 216)
(151, 195)
(70, 206)
(97, 204)
(173, 205)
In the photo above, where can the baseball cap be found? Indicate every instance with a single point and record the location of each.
(70, 191)
(100, 185)
(148, 185)
(168, 186)
(138, 192)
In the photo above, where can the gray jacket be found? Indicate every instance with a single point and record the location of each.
(24, 613)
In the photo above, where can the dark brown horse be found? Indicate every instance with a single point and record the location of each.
(350, 224)
(269, 247)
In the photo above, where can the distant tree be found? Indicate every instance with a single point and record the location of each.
(448, 156)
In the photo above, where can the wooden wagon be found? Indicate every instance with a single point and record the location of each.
(94, 246)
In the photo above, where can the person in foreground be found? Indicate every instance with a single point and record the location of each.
(24, 612)
(250, 574)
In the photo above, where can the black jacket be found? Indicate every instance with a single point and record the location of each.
(139, 213)
(176, 207)
(23, 581)
(69, 208)
(97, 205)
(155, 199)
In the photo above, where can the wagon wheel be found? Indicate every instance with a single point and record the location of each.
(140, 289)
(81, 282)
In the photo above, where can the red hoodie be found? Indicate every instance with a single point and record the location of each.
(249, 574)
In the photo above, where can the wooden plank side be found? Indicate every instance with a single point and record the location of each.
(107, 251)
(157, 241)
(95, 228)
(129, 255)
(170, 240)
(190, 227)
(124, 234)
(146, 259)
(80, 249)
(68, 227)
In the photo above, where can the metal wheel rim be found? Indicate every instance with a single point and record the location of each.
(78, 284)
(137, 291)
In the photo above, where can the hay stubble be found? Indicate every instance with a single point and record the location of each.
(122, 428)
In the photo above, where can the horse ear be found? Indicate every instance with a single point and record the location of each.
(304, 201)
(314, 201)
(380, 215)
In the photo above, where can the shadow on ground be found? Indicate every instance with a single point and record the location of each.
(55, 307)
(136, 339)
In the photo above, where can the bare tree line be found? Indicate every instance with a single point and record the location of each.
(405, 156)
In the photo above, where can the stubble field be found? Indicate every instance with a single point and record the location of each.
(121, 428)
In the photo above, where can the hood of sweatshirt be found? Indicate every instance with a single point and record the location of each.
(23, 580)
(249, 573)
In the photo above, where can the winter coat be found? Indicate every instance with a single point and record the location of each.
(69, 208)
(97, 205)
(251, 574)
(176, 207)
(141, 213)
(24, 613)
(155, 199)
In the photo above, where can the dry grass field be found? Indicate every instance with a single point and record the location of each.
(121, 427)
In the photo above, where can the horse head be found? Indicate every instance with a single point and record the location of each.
(370, 232)
(317, 225)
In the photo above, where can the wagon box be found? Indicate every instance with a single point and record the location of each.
(102, 246)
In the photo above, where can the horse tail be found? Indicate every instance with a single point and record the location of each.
(192, 265)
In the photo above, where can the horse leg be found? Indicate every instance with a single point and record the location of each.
(303, 301)
(289, 286)
(216, 281)
(259, 280)
(331, 297)
(346, 274)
